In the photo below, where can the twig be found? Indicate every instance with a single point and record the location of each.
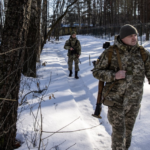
(59, 144)
(40, 91)
(8, 99)
(60, 129)
(16, 49)
(41, 129)
(71, 146)
(26, 142)
(73, 130)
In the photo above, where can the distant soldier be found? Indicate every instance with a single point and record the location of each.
(74, 51)
(129, 65)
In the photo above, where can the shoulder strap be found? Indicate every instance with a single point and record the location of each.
(110, 51)
(109, 54)
(112, 48)
(143, 53)
(118, 57)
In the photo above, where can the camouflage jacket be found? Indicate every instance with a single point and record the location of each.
(130, 89)
(75, 43)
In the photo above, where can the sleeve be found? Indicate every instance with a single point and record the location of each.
(101, 71)
(79, 48)
(147, 66)
(67, 45)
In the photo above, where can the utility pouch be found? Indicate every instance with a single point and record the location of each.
(108, 102)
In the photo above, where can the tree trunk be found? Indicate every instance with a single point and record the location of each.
(15, 35)
(44, 21)
(29, 68)
(5, 3)
(39, 30)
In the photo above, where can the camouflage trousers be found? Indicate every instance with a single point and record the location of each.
(70, 62)
(122, 120)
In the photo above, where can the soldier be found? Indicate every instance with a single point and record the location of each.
(74, 51)
(127, 76)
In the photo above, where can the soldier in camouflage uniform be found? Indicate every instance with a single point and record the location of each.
(74, 51)
(127, 91)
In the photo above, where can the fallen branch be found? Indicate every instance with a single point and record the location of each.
(73, 130)
(71, 146)
(60, 129)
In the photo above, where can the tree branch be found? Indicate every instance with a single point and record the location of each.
(59, 18)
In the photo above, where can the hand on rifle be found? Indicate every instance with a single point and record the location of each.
(71, 48)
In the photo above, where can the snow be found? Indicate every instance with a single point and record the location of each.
(67, 104)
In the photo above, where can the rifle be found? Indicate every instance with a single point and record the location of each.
(99, 101)
(100, 89)
(75, 52)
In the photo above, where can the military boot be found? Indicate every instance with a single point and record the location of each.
(70, 73)
(76, 75)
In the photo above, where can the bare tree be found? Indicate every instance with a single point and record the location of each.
(14, 39)
(59, 18)
(39, 44)
(30, 57)
(44, 20)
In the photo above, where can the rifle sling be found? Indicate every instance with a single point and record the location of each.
(118, 57)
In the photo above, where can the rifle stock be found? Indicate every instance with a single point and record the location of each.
(99, 101)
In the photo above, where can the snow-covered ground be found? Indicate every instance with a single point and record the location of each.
(66, 104)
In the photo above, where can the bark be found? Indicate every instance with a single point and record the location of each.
(5, 3)
(15, 34)
(29, 68)
(94, 14)
(39, 31)
(44, 20)
(79, 14)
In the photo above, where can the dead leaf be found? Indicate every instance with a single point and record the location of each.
(37, 84)
(53, 95)
(43, 64)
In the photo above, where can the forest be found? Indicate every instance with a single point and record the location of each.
(26, 26)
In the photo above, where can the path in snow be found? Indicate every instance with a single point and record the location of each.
(84, 99)
(84, 93)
